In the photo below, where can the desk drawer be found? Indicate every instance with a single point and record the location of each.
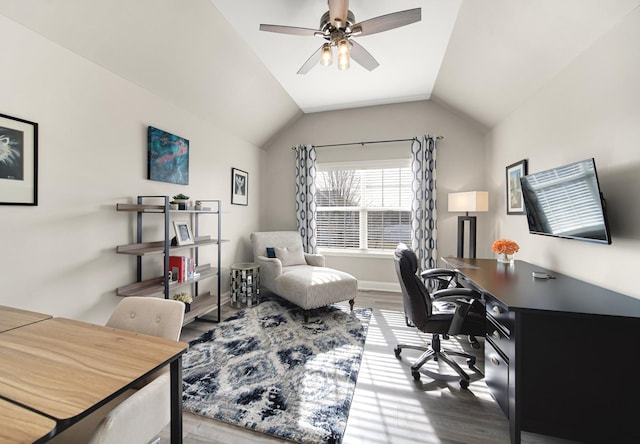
(498, 337)
(500, 314)
(496, 369)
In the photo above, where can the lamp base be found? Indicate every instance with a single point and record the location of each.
(472, 236)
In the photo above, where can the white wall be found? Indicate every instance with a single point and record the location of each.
(59, 257)
(460, 160)
(592, 109)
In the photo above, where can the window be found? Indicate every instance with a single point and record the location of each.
(365, 206)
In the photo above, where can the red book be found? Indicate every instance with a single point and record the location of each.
(176, 265)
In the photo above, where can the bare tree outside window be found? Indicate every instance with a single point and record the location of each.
(339, 189)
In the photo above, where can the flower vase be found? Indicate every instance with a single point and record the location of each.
(187, 307)
(505, 258)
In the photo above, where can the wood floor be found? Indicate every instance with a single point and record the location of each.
(388, 405)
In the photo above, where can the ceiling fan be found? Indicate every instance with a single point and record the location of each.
(338, 27)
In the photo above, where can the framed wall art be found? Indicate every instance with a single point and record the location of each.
(515, 171)
(18, 161)
(168, 157)
(239, 187)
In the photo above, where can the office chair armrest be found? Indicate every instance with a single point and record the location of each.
(433, 273)
(453, 294)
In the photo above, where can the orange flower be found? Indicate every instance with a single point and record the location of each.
(505, 246)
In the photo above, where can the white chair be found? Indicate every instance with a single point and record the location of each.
(299, 277)
(138, 415)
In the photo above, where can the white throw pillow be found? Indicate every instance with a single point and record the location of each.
(291, 256)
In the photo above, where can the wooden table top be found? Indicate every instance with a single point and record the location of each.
(18, 424)
(11, 318)
(65, 368)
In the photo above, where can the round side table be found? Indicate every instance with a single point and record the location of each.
(245, 284)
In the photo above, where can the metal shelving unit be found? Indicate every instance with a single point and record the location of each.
(161, 285)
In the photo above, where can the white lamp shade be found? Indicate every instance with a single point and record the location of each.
(469, 201)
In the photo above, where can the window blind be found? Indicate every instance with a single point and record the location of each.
(364, 207)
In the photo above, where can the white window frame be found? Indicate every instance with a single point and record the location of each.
(363, 210)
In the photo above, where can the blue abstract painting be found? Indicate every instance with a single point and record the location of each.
(168, 157)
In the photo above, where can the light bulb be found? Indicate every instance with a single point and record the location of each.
(343, 61)
(326, 56)
(343, 47)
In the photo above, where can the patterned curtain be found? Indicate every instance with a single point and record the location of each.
(423, 203)
(306, 196)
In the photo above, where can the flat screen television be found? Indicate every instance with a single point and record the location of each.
(566, 202)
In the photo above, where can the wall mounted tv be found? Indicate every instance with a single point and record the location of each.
(566, 202)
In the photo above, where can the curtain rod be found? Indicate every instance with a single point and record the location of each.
(369, 142)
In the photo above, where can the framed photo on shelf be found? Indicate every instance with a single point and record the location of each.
(18, 161)
(515, 171)
(183, 232)
(239, 187)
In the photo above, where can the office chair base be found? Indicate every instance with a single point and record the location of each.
(436, 353)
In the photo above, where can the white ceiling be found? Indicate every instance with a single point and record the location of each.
(481, 58)
(409, 56)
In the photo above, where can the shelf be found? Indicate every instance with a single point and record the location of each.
(201, 305)
(140, 208)
(145, 208)
(149, 248)
(155, 286)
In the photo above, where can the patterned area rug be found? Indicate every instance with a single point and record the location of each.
(266, 370)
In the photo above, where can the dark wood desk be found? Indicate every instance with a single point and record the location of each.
(66, 369)
(11, 318)
(560, 354)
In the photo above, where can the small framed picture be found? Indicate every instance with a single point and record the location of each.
(239, 187)
(18, 161)
(515, 171)
(183, 232)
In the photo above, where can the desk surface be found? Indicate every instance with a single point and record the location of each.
(517, 289)
(18, 424)
(11, 318)
(65, 368)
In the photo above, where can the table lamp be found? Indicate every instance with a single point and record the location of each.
(468, 201)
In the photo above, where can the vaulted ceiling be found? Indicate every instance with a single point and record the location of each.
(483, 58)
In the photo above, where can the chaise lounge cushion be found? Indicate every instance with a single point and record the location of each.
(313, 287)
(291, 256)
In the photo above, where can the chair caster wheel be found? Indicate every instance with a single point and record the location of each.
(471, 362)
(464, 383)
(415, 374)
(397, 351)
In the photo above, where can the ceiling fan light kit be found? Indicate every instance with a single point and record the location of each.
(338, 31)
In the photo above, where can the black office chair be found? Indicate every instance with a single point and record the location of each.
(452, 311)
(440, 279)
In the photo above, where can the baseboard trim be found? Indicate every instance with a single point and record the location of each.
(379, 286)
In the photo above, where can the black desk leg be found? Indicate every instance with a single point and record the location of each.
(176, 401)
(514, 431)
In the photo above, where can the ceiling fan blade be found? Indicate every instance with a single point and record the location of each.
(311, 62)
(362, 56)
(338, 9)
(288, 30)
(387, 22)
